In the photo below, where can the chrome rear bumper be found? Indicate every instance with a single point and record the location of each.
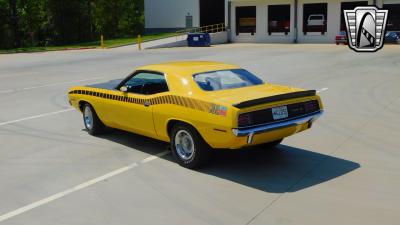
(249, 132)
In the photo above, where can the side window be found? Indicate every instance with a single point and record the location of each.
(147, 83)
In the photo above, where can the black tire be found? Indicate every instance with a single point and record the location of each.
(201, 150)
(97, 127)
(270, 145)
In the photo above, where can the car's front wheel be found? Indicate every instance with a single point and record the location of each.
(93, 124)
(188, 147)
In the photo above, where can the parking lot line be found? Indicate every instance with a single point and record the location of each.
(48, 85)
(322, 90)
(35, 117)
(14, 74)
(78, 187)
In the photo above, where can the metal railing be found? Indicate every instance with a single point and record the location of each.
(213, 28)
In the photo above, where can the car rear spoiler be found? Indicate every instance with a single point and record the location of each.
(275, 98)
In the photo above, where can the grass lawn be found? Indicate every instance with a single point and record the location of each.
(95, 44)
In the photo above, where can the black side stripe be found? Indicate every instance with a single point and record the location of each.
(168, 99)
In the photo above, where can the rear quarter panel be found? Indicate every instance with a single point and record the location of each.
(212, 121)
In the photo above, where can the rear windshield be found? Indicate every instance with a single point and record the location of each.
(315, 17)
(226, 79)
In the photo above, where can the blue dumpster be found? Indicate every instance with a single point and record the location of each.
(199, 40)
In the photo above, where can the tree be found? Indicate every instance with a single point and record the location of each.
(60, 22)
(14, 22)
(6, 32)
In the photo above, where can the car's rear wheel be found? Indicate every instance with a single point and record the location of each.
(188, 147)
(92, 123)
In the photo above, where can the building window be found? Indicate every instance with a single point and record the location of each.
(348, 6)
(278, 19)
(315, 17)
(246, 20)
(393, 20)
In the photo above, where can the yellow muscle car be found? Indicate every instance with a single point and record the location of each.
(197, 106)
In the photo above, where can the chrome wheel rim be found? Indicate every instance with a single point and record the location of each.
(184, 145)
(88, 118)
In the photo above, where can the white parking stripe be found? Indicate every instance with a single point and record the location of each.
(148, 159)
(322, 89)
(48, 85)
(14, 74)
(35, 117)
(77, 188)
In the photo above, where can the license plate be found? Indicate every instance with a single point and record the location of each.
(280, 112)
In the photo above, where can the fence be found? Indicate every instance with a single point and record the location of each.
(213, 28)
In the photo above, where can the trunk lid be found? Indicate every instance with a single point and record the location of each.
(245, 94)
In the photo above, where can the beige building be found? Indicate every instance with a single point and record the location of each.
(284, 21)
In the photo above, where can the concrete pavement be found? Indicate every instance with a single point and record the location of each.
(343, 171)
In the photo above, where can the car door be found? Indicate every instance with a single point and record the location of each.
(135, 113)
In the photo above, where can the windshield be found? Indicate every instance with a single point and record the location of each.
(226, 79)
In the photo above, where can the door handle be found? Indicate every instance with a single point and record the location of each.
(147, 103)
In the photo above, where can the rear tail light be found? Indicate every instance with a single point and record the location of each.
(311, 106)
(265, 116)
(244, 120)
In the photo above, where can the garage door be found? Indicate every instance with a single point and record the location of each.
(393, 20)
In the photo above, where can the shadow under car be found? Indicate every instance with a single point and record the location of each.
(277, 170)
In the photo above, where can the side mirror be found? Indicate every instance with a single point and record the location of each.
(123, 89)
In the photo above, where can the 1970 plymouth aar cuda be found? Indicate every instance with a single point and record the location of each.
(197, 106)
